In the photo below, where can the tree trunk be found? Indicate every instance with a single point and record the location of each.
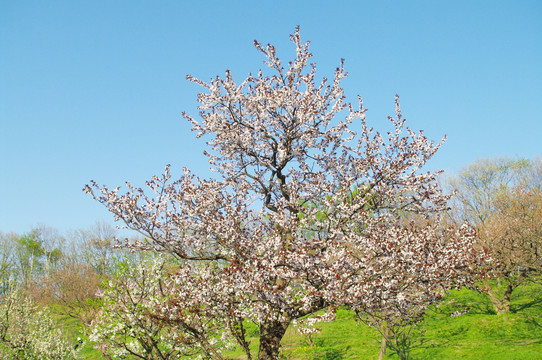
(271, 334)
(506, 299)
(383, 344)
(501, 306)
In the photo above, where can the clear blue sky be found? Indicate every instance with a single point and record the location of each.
(95, 89)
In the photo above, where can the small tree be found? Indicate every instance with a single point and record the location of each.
(514, 233)
(419, 274)
(500, 197)
(284, 233)
(28, 332)
(127, 323)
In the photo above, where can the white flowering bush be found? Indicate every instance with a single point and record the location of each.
(128, 322)
(30, 333)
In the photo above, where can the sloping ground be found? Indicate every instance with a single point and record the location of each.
(479, 334)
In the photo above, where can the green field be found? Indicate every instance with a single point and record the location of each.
(480, 334)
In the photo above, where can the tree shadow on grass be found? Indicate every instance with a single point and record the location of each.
(481, 309)
(519, 307)
(425, 343)
(331, 354)
(475, 306)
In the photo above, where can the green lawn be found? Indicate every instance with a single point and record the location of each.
(480, 334)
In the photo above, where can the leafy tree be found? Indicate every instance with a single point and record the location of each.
(249, 241)
(34, 253)
(28, 256)
(50, 246)
(514, 233)
(500, 197)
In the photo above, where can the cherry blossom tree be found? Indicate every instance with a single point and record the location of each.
(306, 212)
(420, 273)
(127, 325)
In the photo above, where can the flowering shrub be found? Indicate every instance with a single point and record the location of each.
(128, 322)
(28, 332)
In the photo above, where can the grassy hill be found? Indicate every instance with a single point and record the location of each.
(479, 334)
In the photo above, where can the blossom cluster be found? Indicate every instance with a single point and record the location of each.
(29, 332)
(133, 319)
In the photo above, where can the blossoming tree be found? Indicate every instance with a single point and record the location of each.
(306, 213)
(28, 332)
(127, 324)
(420, 273)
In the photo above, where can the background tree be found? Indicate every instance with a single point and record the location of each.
(494, 196)
(59, 271)
(88, 257)
(51, 243)
(29, 332)
(279, 146)
(28, 255)
(96, 246)
(478, 185)
(514, 233)
(34, 253)
(7, 260)
(70, 288)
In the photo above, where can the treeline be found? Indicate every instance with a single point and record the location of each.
(58, 267)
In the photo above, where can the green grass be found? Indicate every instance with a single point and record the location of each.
(73, 328)
(480, 334)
